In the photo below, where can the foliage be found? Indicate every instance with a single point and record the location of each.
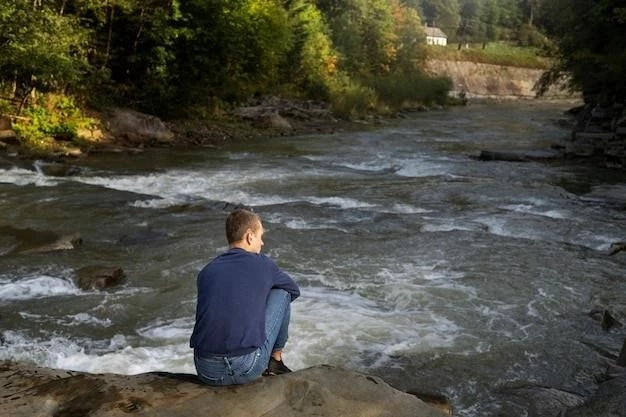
(51, 117)
(407, 90)
(589, 37)
(350, 98)
(40, 49)
(495, 54)
(200, 57)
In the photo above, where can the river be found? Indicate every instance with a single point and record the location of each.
(417, 263)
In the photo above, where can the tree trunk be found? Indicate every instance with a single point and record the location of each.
(109, 37)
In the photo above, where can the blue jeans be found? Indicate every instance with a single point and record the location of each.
(234, 370)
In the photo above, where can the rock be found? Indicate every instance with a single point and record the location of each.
(544, 401)
(323, 390)
(9, 137)
(608, 401)
(99, 277)
(273, 121)
(56, 169)
(605, 318)
(136, 126)
(34, 241)
(617, 247)
(5, 123)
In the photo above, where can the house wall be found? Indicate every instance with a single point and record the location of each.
(436, 40)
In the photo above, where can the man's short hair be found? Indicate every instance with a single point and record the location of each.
(238, 222)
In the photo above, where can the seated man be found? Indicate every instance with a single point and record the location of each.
(243, 309)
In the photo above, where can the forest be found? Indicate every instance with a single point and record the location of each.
(195, 58)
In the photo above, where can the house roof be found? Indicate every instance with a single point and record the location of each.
(435, 32)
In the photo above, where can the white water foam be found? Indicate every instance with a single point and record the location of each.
(116, 355)
(532, 209)
(421, 167)
(344, 203)
(40, 286)
(342, 327)
(21, 177)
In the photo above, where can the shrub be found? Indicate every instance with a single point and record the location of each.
(52, 117)
(350, 98)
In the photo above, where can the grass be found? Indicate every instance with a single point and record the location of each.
(496, 53)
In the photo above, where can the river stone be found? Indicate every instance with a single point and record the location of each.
(322, 390)
(544, 401)
(35, 241)
(56, 169)
(99, 277)
(9, 137)
(608, 401)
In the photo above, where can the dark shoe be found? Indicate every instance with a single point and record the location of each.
(275, 367)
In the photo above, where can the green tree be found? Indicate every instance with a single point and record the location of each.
(589, 37)
(312, 61)
(42, 50)
(230, 49)
(444, 14)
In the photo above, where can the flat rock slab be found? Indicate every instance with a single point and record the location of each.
(322, 390)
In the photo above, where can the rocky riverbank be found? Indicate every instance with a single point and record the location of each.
(122, 130)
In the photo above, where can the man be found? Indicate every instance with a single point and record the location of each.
(243, 309)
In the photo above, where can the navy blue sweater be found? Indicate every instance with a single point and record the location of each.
(230, 310)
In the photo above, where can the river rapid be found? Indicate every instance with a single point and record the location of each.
(417, 263)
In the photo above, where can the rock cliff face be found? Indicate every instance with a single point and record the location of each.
(28, 391)
(478, 80)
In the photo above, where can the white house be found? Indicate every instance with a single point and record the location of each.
(435, 36)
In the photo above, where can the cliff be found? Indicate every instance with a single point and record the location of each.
(477, 80)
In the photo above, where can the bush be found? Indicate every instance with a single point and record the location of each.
(53, 117)
(350, 98)
(402, 90)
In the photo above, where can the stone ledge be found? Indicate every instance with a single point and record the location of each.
(317, 391)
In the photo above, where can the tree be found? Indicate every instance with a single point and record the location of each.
(589, 38)
(41, 49)
(444, 14)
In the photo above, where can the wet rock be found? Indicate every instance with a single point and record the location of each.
(56, 169)
(608, 401)
(35, 241)
(605, 318)
(318, 391)
(438, 401)
(97, 277)
(544, 401)
(519, 155)
(617, 247)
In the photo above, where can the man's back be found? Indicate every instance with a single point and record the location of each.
(232, 293)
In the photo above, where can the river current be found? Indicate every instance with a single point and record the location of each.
(438, 272)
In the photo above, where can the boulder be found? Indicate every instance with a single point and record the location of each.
(56, 169)
(543, 401)
(34, 241)
(135, 126)
(608, 401)
(9, 137)
(322, 390)
(97, 277)
(617, 247)
(5, 123)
